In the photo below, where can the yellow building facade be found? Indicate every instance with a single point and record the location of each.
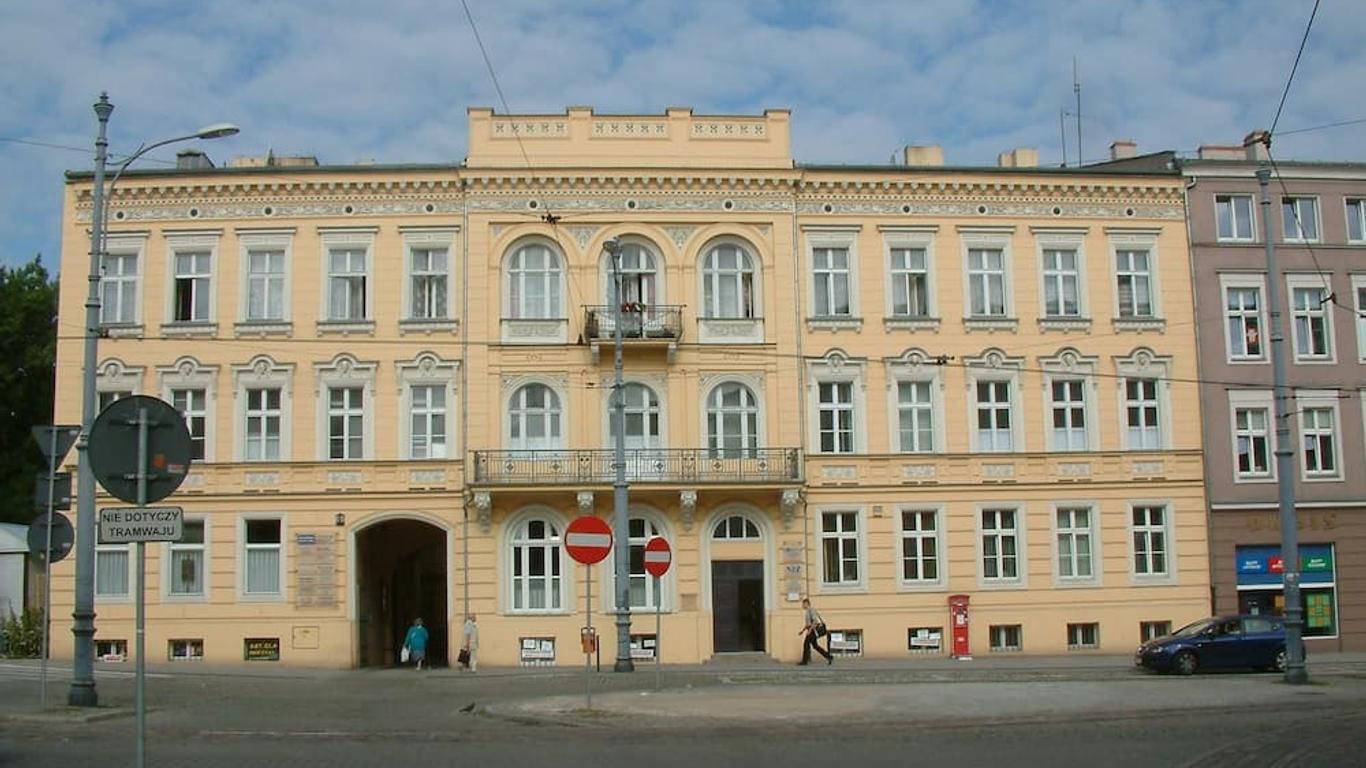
(874, 386)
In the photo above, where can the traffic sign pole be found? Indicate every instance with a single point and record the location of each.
(658, 557)
(588, 540)
(659, 606)
(587, 654)
(47, 566)
(142, 597)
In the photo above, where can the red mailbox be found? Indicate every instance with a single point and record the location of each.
(958, 623)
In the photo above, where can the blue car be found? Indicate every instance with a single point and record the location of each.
(1223, 642)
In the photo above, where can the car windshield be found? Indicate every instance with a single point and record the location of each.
(1195, 628)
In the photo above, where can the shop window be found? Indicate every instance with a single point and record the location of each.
(111, 650)
(536, 651)
(1005, 637)
(184, 650)
(925, 639)
(846, 642)
(1260, 572)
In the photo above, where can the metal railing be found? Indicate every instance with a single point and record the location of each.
(643, 465)
(663, 322)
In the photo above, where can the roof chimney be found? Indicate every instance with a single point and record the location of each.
(1123, 149)
(1020, 157)
(924, 154)
(192, 160)
(1256, 146)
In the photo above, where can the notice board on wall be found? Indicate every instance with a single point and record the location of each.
(315, 562)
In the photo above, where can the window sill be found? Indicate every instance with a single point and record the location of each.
(905, 323)
(991, 324)
(1065, 324)
(843, 589)
(1151, 581)
(1246, 360)
(1001, 585)
(1061, 582)
(345, 327)
(1320, 478)
(1258, 480)
(1139, 324)
(121, 330)
(428, 327)
(249, 598)
(929, 586)
(189, 329)
(834, 323)
(1314, 361)
(263, 328)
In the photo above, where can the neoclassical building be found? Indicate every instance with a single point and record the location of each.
(877, 386)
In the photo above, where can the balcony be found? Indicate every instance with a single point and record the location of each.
(685, 466)
(642, 325)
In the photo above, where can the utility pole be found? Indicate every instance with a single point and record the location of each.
(1076, 89)
(621, 541)
(1295, 671)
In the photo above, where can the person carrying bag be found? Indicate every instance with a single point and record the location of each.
(814, 628)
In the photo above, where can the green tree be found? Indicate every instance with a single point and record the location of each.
(28, 349)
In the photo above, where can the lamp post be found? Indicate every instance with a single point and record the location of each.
(620, 501)
(82, 693)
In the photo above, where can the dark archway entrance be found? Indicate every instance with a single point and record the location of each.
(737, 602)
(401, 575)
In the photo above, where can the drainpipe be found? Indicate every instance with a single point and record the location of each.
(465, 398)
(801, 378)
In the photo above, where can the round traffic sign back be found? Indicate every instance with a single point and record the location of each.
(114, 448)
(658, 557)
(588, 539)
(62, 535)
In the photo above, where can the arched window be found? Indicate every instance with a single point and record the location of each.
(639, 276)
(533, 276)
(537, 566)
(534, 419)
(727, 282)
(732, 420)
(641, 416)
(644, 593)
(735, 527)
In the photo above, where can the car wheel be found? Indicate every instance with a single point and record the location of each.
(1279, 664)
(1185, 663)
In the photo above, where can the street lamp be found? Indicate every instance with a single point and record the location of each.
(620, 500)
(82, 693)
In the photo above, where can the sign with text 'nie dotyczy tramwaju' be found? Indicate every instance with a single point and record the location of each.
(123, 525)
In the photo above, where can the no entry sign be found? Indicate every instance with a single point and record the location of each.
(658, 557)
(588, 539)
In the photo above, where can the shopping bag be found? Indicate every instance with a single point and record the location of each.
(464, 657)
(403, 655)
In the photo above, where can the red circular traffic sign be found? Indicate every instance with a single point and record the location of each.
(588, 539)
(658, 557)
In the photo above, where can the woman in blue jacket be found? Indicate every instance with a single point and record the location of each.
(416, 643)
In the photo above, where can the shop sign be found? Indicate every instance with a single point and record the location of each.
(1317, 562)
(1251, 564)
(261, 649)
(1276, 564)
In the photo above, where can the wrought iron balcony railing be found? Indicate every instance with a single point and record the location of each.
(645, 465)
(659, 322)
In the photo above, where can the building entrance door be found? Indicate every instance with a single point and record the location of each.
(737, 605)
(401, 576)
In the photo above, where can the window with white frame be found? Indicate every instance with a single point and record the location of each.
(345, 422)
(986, 282)
(1074, 540)
(1318, 435)
(348, 276)
(993, 405)
(534, 419)
(1151, 630)
(1150, 540)
(266, 293)
(1356, 219)
(1243, 320)
(840, 548)
(1004, 637)
(915, 416)
(835, 411)
(1309, 308)
(728, 282)
(262, 554)
(192, 287)
(186, 561)
(1070, 431)
(1134, 283)
(1083, 636)
(1233, 217)
(427, 421)
(108, 396)
(534, 277)
(1300, 218)
(537, 564)
(641, 414)
(639, 272)
(1061, 283)
(1142, 410)
(430, 277)
(735, 527)
(645, 591)
(1252, 436)
(119, 288)
(112, 566)
(830, 271)
(732, 420)
(920, 560)
(910, 280)
(1359, 290)
(263, 424)
(193, 406)
(1000, 541)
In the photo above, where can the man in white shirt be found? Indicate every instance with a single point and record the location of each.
(471, 643)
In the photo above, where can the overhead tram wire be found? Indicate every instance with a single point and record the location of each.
(1295, 67)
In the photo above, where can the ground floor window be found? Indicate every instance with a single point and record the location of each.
(1005, 637)
(1151, 630)
(1083, 637)
(1261, 569)
(184, 650)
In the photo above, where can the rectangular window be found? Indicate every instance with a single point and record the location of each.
(429, 283)
(910, 283)
(187, 560)
(1069, 414)
(346, 278)
(1150, 540)
(839, 548)
(1360, 291)
(193, 405)
(1243, 312)
(1309, 308)
(1133, 273)
(1141, 414)
(1004, 637)
(345, 423)
(919, 546)
(193, 275)
(1252, 436)
(1061, 281)
(119, 288)
(428, 422)
(831, 269)
(263, 417)
(1151, 630)
(915, 416)
(111, 570)
(1319, 441)
(1300, 217)
(1233, 214)
(986, 282)
(108, 396)
(1356, 220)
(1074, 543)
(266, 285)
(999, 541)
(836, 416)
(1083, 637)
(993, 416)
(261, 552)
(184, 650)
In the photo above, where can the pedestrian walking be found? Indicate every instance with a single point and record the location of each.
(469, 649)
(813, 629)
(415, 644)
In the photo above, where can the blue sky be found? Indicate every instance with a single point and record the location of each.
(392, 81)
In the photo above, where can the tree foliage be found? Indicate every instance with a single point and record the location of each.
(28, 348)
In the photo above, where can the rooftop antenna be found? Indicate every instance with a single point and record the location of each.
(1076, 89)
(1062, 130)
